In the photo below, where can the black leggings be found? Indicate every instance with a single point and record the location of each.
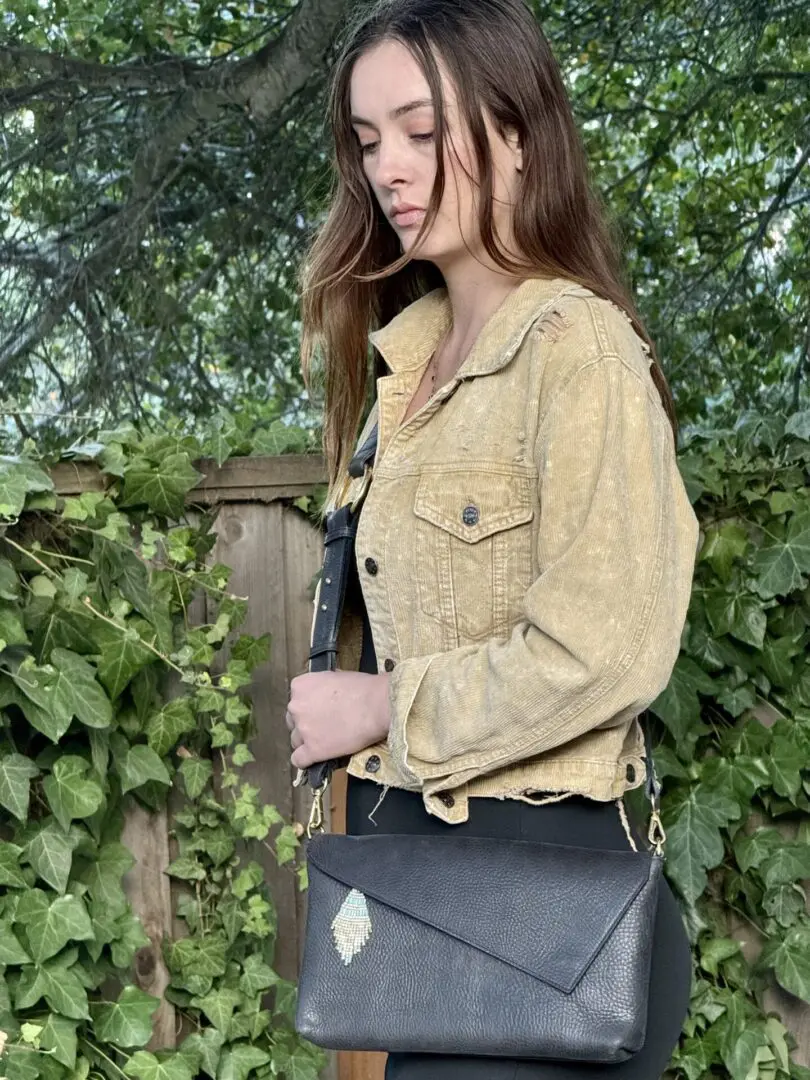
(575, 820)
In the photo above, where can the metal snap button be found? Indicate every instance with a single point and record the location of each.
(373, 764)
(470, 515)
(372, 566)
(446, 798)
(630, 773)
(390, 664)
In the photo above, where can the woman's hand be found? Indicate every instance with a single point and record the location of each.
(335, 713)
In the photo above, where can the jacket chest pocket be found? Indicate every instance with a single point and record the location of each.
(473, 538)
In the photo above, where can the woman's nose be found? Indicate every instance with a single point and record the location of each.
(392, 165)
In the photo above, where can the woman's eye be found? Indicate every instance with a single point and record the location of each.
(426, 136)
(367, 148)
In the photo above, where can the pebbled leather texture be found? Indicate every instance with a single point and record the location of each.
(500, 948)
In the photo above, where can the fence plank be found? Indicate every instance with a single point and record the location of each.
(149, 891)
(251, 540)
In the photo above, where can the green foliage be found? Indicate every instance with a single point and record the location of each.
(157, 277)
(735, 746)
(94, 614)
(109, 696)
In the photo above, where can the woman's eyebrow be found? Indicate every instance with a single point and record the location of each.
(395, 114)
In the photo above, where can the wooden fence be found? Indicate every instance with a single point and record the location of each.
(274, 552)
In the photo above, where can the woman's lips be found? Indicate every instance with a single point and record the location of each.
(408, 217)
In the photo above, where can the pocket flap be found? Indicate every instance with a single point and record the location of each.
(474, 503)
(545, 909)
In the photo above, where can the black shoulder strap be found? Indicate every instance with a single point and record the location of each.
(341, 530)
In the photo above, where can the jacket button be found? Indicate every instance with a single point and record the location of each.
(630, 773)
(389, 664)
(470, 515)
(446, 798)
(371, 566)
(373, 764)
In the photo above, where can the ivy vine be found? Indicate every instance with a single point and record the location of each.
(735, 747)
(109, 693)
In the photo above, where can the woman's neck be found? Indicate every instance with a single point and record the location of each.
(475, 295)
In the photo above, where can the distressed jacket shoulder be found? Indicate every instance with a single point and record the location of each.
(525, 552)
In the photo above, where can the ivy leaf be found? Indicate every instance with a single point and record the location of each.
(31, 986)
(16, 772)
(165, 728)
(256, 976)
(202, 956)
(70, 792)
(11, 951)
(64, 992)
(161, 487)
(13, 488)
(9, 582)
(297, 1064)
(785, 903)
(218, 1006)
(780, 564)
(10, 872)
(238, 1060)
(59, 1036)
(65, 627)
(50, 854)
(789, 862)
(739, 615)
(694, 843)
(186, 868)
(741, 1059)
(752, 850)
(121, 659)
(146, 1066)
(90, 704)
(253, 650)
(99, 750)
(790, 960)
(739, 776)
(196, 773)
(784, 765)
(217, 843)
(678, 705)
(31, 696)
(104, 874)
(130, 936)
(128, 1021)
(714, 951)
(140, 765)
(209, 1046)
(49, 927)
(20, 1062)
(12, 631)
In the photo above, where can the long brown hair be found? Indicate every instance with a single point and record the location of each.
(356, 279)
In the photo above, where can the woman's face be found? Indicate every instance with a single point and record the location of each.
(392, 116)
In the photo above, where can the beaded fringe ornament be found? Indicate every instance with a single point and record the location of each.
(351, 926)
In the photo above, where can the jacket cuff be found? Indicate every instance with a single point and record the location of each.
(404, 684)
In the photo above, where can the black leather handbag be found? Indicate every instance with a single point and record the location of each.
(467, 945)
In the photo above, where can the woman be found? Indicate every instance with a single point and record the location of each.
(526, 546)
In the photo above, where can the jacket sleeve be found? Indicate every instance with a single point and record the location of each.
(602, 621)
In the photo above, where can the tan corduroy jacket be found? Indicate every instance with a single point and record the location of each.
(525, 554)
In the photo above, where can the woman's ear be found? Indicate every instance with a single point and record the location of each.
(513, 141)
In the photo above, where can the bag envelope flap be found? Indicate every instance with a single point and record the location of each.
(545, 909)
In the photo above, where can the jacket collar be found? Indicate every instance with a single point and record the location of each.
(410, 339)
